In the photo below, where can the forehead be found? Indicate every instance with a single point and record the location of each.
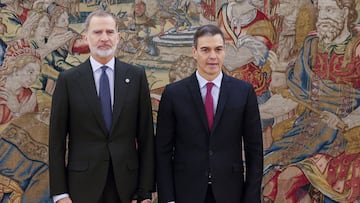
(327, 3)
(64, 14)
(32, 65)
(210, 41)
(100, 22)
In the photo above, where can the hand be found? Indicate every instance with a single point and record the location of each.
(26, 29)
(8, 185)
(258, 49)
(55, 41)
(64, 200)
(332, 120)
(275, 64)
(144, 201)
(10, 100)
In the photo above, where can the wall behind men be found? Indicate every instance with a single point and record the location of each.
(156, 35)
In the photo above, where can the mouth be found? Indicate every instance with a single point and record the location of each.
(104, 47)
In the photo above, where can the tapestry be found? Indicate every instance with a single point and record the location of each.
(301, 56)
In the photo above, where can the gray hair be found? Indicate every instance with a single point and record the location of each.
(99, 13)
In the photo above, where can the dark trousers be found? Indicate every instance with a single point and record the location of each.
(209, 195)
(110, 194)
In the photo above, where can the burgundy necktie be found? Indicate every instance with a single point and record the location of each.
(209, 104)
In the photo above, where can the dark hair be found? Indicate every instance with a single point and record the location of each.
(207, 30)
(99, 13)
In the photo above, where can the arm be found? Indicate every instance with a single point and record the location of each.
(165, 138)
(353, 119)
(145, 141)
(57, 140)
(253, 147)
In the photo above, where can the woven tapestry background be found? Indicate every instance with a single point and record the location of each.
(302, 57)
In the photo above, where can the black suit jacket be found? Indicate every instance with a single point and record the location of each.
(187, 152)
(76, 112)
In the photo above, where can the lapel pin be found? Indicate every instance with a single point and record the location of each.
(127, 80)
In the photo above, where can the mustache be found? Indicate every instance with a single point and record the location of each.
(105, 44)
(329, 28)
(329, 21)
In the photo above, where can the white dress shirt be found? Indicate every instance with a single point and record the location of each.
(96, 67)
(215, 91)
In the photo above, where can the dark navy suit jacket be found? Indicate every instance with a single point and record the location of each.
(187, 151)
(129, 145)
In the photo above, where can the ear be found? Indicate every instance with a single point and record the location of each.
(85, 39)
(118, 36)
(194, 52)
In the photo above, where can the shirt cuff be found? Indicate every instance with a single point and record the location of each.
(59, 197)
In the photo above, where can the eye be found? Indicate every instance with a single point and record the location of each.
(110, 32)
(204, 50)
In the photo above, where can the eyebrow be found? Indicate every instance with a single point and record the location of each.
(221, 46)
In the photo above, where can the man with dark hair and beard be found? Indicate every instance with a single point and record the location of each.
(325, 81)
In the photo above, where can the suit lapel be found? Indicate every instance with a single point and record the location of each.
(194, 89)
(224, 92)
(87, 84)
(120, 88)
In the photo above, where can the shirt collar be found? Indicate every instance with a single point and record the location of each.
(96, 65)
(203, 81)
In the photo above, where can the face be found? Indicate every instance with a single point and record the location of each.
(102, 38)
(209, 55)
(331, 20)
(63, 20)
(139, 9)
(43, 28)
(27, 75)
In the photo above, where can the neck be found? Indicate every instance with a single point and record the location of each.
(102, 60)
(11, 86)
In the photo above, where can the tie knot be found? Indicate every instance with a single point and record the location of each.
(209, 86)
(103, 68)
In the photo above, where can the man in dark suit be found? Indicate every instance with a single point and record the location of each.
(201, 129)
(102, 107)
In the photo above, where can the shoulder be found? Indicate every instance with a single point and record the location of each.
(236, 82)
(182, 83)
(80, 67)
(354, 44)
(72, 73)
(128, 67)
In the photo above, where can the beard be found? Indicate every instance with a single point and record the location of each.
(102, 53)
(328, 29)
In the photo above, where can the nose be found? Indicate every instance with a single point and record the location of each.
(104, 37)
(322, 14)
(212, 54)
(33, 78)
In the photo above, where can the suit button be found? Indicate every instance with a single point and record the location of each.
(211, 152)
